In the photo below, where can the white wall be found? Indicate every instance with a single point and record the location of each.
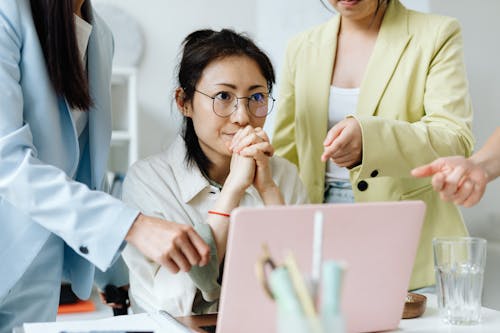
(166, 23)
(481, 29)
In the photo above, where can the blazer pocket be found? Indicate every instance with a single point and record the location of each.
(417, 193)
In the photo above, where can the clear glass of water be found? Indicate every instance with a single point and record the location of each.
(459, 266)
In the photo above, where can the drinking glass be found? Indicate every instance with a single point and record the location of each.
(459, 267)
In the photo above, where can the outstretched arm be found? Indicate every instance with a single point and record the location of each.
(463, 180)
(489, 156)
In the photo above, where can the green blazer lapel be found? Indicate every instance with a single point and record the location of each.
(390, 45)
(320, 74)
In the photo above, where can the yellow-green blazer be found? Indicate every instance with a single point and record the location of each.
(413, 107)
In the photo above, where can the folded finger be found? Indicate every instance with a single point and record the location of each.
(239, 134)
(250, 139)
(332, 134)
(474, 197)
(170, 264)
(331, 150)
(463, 192)
(264, 147)
(345, 160)
(260, 132)
(180, 260)
(189, 251)
(452, 181)
(438, 181)
(202, 249)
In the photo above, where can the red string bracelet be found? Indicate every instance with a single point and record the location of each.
(218, 213)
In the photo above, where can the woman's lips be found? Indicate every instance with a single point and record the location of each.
(349, 3)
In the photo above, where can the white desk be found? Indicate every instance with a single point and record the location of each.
(430, 322)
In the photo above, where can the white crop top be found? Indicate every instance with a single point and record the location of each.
(342, 102)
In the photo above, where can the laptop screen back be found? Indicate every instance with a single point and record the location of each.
(377, 241)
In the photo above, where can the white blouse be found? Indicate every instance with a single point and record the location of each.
(164, 186)
(342, 102)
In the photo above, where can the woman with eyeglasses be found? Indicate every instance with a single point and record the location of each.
(55, 129)
(222, 160)
(366, 97)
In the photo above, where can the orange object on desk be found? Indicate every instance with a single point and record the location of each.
(80, 306)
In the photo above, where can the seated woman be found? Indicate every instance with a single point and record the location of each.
(222, 160)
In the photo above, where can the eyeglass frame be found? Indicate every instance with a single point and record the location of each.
(237, 101)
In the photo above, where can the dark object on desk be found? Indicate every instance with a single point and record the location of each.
(67, 296)
(208, 329)
(414, 305)
(119, 296)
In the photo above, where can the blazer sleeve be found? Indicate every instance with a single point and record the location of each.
(445, 128)
(284, 131)
(82, 218)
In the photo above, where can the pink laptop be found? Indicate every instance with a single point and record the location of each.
(377, 241)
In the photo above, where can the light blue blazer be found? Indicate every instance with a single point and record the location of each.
(40, 159)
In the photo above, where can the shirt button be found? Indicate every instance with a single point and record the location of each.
(84, 249)
(374, 173)
(362, 185)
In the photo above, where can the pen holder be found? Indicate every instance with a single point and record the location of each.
(297, 300)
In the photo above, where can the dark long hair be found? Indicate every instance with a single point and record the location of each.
(54, 22)
(200, 48)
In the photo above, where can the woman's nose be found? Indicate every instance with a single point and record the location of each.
(241, 113)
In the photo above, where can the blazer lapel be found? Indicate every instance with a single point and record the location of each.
(390, 45)
(319, 77)
(98, 67)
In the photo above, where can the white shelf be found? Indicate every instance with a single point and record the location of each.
(120, 137)
(124, 138)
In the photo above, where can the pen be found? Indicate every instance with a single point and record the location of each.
(302, 293)
(317, 253)
(171, 319)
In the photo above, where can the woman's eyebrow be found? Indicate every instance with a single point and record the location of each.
(232, 86)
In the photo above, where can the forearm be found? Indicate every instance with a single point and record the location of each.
(227, 201)
(272, 196)
(488, 157)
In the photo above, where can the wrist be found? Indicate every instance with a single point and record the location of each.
(135, 228)
(484, 165)
(266, 188)
(271, 195)
(233, 190)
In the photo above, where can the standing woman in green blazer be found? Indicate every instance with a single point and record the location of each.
(369, 95)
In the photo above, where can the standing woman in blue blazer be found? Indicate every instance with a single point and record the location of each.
(55, 131)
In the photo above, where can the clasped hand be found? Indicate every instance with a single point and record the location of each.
(250, 160)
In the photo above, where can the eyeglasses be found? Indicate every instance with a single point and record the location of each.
(225, 103)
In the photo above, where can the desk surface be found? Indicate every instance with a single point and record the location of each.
(429, 322)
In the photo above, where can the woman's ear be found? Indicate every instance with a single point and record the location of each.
(183, 104)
